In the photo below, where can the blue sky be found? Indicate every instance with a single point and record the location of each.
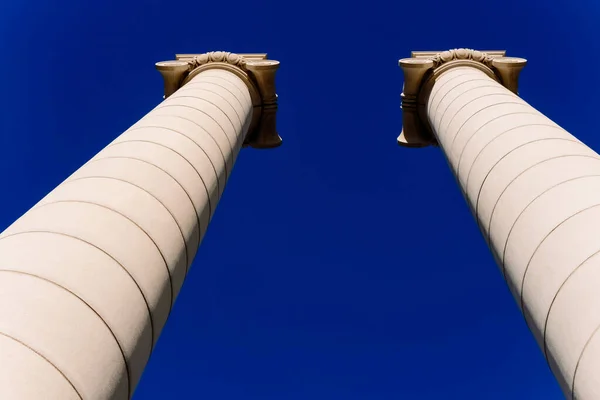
(339, 266)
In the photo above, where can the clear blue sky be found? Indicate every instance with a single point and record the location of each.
(339, 266)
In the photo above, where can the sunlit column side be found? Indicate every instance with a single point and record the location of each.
(535, 191)
(89, 275)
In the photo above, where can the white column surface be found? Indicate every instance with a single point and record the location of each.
(535, 191)
(89, 275)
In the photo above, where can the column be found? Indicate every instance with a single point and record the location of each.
(89, 275)
(534, 190)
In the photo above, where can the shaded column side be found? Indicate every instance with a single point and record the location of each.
(535, 191)
(88, 276)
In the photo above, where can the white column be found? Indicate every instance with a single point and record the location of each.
(535, 191)
(88, 276)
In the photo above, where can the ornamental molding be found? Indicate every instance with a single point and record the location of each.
(439, 58)
(233, 59)
(462, 54)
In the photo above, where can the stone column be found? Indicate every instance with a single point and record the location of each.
(89, 275)
(534, 190)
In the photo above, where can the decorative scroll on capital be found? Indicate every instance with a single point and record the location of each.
(414, 133)
(255, 70)
(424, 68)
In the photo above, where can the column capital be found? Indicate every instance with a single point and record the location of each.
(419, 77)
(257, 72)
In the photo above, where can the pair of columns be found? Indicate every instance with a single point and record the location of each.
(88, 276)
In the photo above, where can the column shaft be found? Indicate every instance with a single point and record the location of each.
(535, 192)
(88, 276)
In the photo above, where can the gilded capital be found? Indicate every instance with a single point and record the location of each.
(255, 70)
(422, 70)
